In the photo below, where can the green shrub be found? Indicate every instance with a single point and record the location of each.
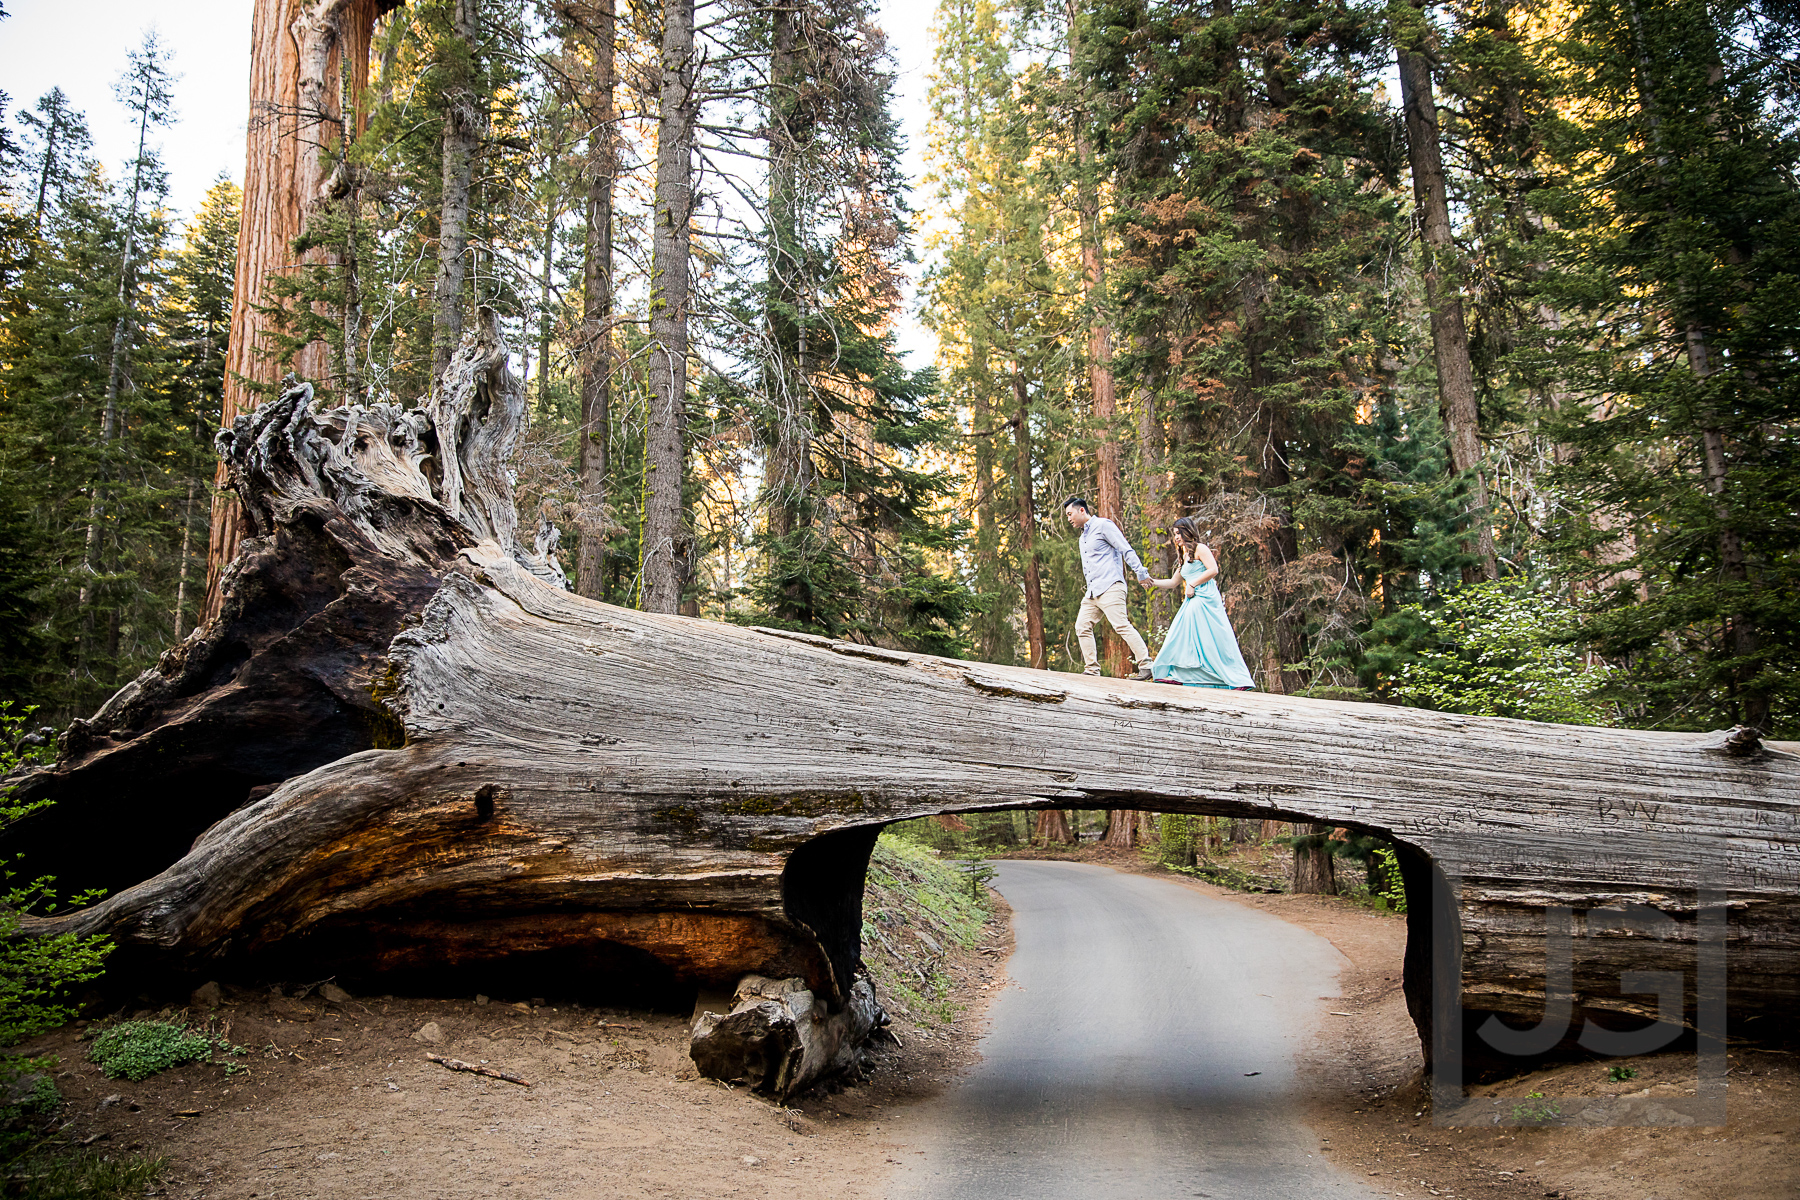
(34, 972)
(1503, 650)
(139, 1049)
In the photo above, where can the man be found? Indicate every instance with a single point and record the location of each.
(1104, 553)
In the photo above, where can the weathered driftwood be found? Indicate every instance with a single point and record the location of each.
(528, 772)
(779, 1038)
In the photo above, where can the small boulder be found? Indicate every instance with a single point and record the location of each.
(207, 995)
(480, 999)
(334, 994)
(429, 1032)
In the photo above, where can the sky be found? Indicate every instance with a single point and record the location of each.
(80, 46)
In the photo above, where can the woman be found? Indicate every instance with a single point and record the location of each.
(1200, 650)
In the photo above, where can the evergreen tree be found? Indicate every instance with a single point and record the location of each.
(1678, 240)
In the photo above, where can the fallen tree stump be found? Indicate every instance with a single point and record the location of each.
(540, 774)
(779, 1038)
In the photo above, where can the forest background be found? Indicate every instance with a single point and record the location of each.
(1467, 330)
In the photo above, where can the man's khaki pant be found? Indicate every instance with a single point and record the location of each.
(1111, 604)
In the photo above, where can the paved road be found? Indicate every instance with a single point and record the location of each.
(1144, 1050)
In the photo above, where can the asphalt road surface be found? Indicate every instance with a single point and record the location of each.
(1145, 1049)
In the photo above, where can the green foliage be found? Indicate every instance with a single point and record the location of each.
(1393, 887)
(1535, 1110)
(1504, 650)
(913, 899)
(974, 866)
(139, 1049)
(1619, 1074)
(35, 972)
(85, 1175)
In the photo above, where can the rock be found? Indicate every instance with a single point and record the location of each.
(334, 994)
(538, 1002)
(522, 1006)
(750, 1160)
(112, 1100)
(207, 995)
(429, 1032)
(480, 999)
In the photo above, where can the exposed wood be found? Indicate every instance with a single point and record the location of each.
(779, 1038)
(530, 772)
(353, 514)
(457, 1064)
(285, 171)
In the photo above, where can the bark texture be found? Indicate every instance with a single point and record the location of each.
(596, 306)
(528, 772)
(666, 537)
(286, 172)
(1449, 331)
(464, 123)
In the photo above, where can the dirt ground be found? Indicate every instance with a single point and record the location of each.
(339, 1101)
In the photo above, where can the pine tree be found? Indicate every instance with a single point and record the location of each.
(1678, 239)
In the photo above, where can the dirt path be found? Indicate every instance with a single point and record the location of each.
(339, 1101)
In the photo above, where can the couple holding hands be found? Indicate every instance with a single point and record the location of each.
(1200, 650)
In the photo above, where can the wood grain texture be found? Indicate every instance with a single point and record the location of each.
(478, 766)
(567, 757)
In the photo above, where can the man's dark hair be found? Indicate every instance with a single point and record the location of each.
(1078, 502)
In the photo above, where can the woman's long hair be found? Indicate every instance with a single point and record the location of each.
(1188, 530)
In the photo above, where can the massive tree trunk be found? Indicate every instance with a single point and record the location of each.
(285, 173)
(1449, 333)
(1314, 870)
(596, 308)
(402, 746)
(666, 537)
(464, 122)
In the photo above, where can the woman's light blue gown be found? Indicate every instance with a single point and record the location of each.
(1201, 650)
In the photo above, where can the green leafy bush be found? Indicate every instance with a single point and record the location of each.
(34, 972)
(1502, 650)
(139, 1049)
(1393, 890)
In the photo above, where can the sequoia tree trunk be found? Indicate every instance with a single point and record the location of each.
(280, 183)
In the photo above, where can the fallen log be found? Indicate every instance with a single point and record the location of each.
(541, 774)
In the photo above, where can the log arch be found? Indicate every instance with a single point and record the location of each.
(547, 771)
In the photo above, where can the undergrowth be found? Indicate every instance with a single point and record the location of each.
(139, 1049)
(915, 906)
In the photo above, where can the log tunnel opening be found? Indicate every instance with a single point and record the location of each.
(822, 890)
